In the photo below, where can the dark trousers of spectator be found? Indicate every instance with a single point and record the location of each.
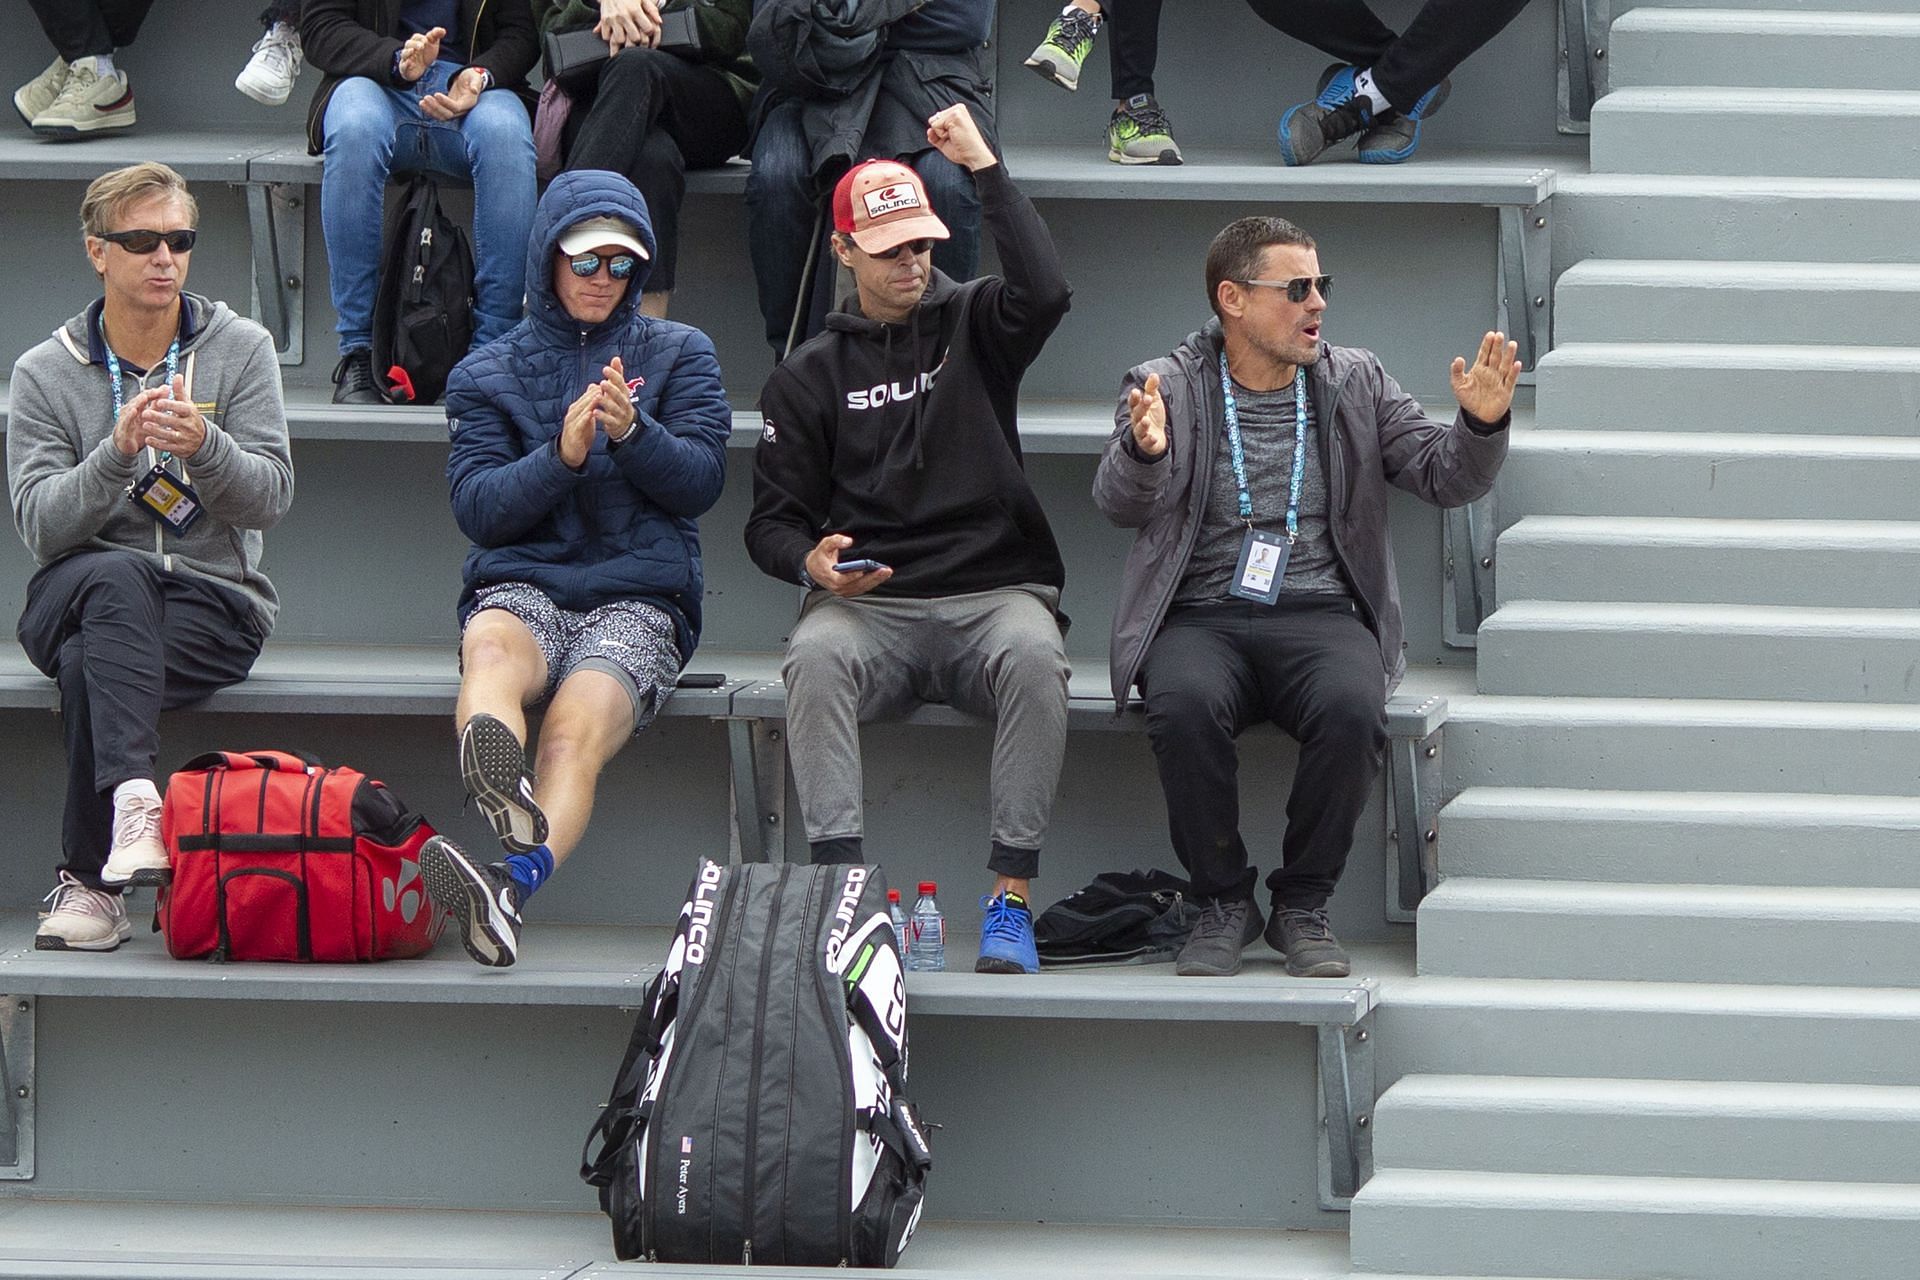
(1133, 44)
(1441, 37)
(1308, 665)
(86, 28)
(126, 640)
(287, 11)
(654, 116)
(782, 205)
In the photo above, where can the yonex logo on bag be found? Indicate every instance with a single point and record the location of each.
(408, 899)
(700, 927)
(843, 913)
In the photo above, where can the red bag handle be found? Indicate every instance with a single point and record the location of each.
(273, 761)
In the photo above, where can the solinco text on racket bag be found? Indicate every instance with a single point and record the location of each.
(760, 1115)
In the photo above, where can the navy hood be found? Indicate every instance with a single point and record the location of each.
(574, 197)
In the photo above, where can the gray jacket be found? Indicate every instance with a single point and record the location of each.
(1379, 436)
(68, 483)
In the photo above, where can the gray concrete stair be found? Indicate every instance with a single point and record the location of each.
(1475, 928)
(1692, 129)
(1649, 300)
(1681, 560)
(1638, 650)
(1815, 48)
(1682, 837)
(1612, 215)
(1503, 1224)
(1797, 389)
(1649, 1128)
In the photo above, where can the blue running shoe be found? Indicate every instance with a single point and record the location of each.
(1006, 936)
(1309, 129)
(1395, 137)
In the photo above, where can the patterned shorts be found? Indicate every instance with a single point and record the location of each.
(631, 641)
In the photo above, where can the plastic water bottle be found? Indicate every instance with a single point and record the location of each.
(928, 948)
(898, 915)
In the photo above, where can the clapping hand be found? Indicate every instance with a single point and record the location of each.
(420, 52)
(1149, 413)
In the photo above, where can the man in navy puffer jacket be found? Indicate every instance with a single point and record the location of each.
(583, 446)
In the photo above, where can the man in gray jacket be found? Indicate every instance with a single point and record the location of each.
(146, 450)
(1255, 462)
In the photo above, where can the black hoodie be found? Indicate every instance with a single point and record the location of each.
(904, 437)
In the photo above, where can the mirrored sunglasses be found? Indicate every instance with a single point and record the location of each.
(1298, 286)
(619, 265)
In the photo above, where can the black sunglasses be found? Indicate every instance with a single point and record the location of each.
(914, 247)
(1298, 287)
(619, 265)
(147, 241)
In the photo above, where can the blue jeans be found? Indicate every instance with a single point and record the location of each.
(782, 204)
(372, 131)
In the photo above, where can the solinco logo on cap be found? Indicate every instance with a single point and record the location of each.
(886, 200)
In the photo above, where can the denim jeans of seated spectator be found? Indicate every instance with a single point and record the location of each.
(782, 205)
(372, 131)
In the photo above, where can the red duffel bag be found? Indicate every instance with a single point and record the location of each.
(279, 858)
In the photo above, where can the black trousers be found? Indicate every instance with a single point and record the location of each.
(126, 641)
(1310, 666)
(655, 116)
(1133, 44)
(83, 28)
(1441, 37)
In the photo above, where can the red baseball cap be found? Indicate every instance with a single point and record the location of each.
(883, 203)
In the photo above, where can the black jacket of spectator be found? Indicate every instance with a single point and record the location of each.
(345, 38)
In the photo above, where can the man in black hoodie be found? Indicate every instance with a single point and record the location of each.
(891, 447)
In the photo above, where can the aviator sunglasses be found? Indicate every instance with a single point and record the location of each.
(619, 265)
(144, 242)
(1298, 286)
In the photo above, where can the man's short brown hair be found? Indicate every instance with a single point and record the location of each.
(112, 192)
(1235, 252)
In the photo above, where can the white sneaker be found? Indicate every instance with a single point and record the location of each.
(87, 103)
(37, 94)
(269, 74)
(137, 856)
(82, 919)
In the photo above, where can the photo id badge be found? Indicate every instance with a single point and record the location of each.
(166, 498)
(1263, 565)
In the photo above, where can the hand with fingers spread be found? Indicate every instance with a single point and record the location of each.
(956, 135)
(826, 553)
(629, 24)
(461, 96)
(616, 413)
(576, 431)
(1149, 413)
(1485, 391)
(172, 423)
(420, 52)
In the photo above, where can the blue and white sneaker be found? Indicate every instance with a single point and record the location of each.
(1309, 129)
(1006, 936)
(484, 901)
(1395, 137)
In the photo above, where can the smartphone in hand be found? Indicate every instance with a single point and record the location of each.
(857, 566)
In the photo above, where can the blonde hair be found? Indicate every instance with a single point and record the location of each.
(112, 192)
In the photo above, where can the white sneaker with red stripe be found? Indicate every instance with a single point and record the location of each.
(88, 103)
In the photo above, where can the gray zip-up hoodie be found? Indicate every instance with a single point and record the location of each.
(68, 483)
(1377, 435)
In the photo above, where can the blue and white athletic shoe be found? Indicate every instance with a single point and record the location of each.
(1309, 129)
(1395, 137)
(1006, 936)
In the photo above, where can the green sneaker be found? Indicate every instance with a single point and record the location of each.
(1069, 40)
(1139, 133)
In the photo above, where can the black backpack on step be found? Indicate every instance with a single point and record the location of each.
(760, 1114)
(1123, 917)
(423, 312)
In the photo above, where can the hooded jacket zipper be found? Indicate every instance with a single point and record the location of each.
(1328, 455)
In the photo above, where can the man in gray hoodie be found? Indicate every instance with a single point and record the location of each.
(146, 451)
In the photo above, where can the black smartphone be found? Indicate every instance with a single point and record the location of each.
(700, 680)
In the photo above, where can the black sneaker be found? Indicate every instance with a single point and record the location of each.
(484, 901)
(1306, 939)
(1213, 948)
(493, 764)
(1309, 129)
(353, 380)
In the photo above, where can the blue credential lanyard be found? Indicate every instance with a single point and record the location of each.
(173, 371)
(1238, 454)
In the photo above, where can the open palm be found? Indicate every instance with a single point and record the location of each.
(1485, 390)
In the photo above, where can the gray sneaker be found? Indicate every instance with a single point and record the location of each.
(1213, 948)
(37, 94)
(1394, 139)
(88, 103)
(1306, 940)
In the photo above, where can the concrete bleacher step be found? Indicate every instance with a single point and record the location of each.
(1613, 215)
(1642, 300)
(1836, 563)
(1649, 1128)
(1797, 935)
(1816, 48)
(1504, 1224)
(1676, 744)
(1709, 475)
(1639, 650)
(1682, 837)
(1791, 389)
(1779, 132)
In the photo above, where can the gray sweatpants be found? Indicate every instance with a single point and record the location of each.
(997, 654)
